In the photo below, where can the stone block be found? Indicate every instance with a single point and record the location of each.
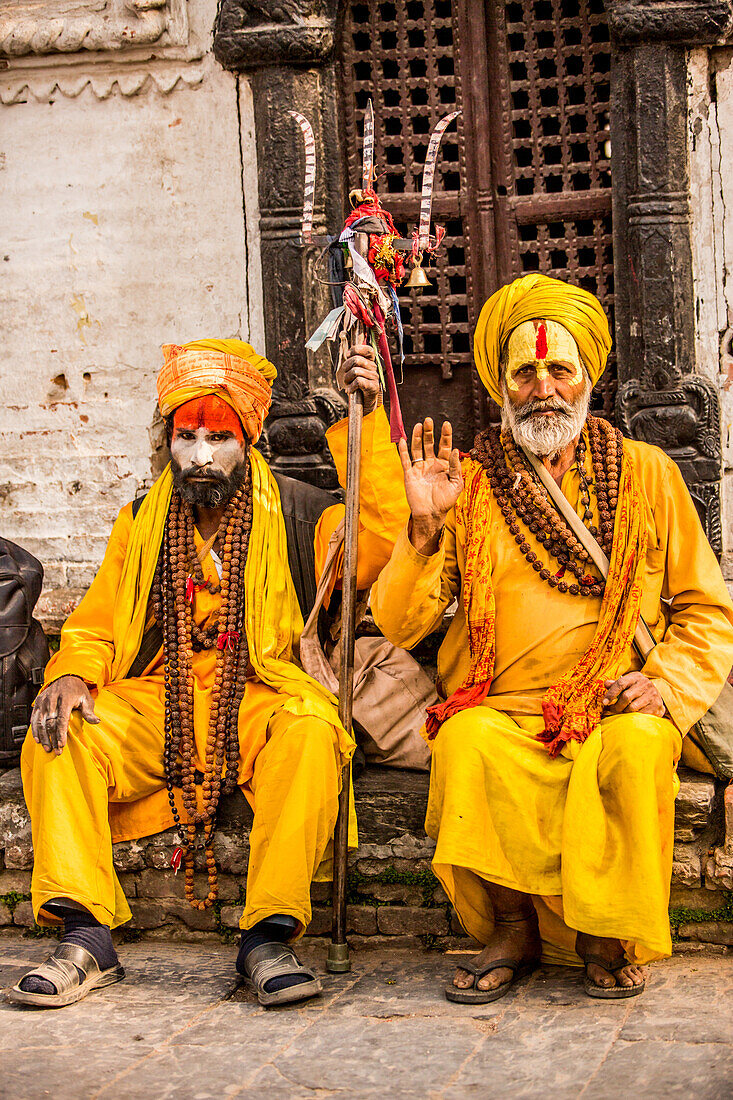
(23, 915)
(361, 919)
(232, 852)
(6, 917)
(686, 867)
(393, 920)
(392, 892)
(321, 892)
(719, 869)
(167, 884)
(147, 914)
(230, 915)
(710, 931)
(694, 805)
(200, 920)
(320, 924)
(129, 855)
(15, 882)
(129, 884)
(683, 897)
(19, 848)
(15, 823)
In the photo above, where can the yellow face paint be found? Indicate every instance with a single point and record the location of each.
(538, 343)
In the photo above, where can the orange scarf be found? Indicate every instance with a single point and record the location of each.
(571, 707)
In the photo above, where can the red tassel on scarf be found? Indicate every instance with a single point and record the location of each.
(228, 640)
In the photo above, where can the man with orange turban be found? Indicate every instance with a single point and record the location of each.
(176, 681)
(554, 751)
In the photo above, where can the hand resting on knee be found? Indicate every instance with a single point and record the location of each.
(52, 711)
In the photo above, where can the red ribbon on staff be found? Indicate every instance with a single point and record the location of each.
(354, 302)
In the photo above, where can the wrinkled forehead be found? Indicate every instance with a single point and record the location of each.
(537, 341)
(208, 412)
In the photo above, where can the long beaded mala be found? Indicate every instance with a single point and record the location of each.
(176, 578)
(521, 499)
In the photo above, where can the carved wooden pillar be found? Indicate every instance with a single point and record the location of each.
(286, 50)
(661, 398)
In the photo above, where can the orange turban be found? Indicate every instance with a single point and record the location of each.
(539, 298)
(229, 369)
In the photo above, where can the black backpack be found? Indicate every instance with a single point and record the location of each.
(23, 646)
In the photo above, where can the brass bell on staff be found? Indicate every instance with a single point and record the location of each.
(418, 277)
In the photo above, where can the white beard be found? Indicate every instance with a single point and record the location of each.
(546, 434)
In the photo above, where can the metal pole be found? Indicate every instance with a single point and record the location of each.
(338, 951)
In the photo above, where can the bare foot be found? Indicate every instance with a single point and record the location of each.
(514, 939)
(609, 950)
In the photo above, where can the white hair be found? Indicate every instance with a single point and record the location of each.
(545, 435)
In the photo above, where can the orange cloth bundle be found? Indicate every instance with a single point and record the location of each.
(229, 369)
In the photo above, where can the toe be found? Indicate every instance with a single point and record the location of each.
(601, 977)
(462, 979)
(494, 979)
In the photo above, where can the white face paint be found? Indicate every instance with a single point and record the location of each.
(210, 452)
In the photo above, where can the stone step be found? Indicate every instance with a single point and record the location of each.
(390, 870)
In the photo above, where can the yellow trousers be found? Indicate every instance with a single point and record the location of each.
(294, 791)
(588, 834)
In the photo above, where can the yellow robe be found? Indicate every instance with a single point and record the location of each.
(592, 830)
(108, 784)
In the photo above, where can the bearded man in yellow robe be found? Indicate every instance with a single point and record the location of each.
(129, 737)
(554, 753)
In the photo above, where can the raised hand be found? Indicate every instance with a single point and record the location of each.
(52, 710)
(433, 482)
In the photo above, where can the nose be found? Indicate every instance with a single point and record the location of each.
(544, 388)
(202, 454)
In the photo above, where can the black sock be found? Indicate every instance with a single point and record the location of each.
(81, 928)
(277, 929)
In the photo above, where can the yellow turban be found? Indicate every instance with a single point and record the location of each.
(537, 297)
(230, 369)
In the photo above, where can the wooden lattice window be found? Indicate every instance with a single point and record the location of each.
(552, 90)
(401, 54)
(522, 185)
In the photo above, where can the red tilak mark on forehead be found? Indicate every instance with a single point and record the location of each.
(208, 412)
(541, 343)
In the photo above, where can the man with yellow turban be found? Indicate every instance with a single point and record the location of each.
(176, 682)
(555, 746)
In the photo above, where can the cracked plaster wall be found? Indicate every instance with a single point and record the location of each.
(711, 191)
(125, 227)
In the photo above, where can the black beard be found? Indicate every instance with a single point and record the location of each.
(214, 492)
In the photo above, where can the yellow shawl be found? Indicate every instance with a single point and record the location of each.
(571, 707)
(273, 618)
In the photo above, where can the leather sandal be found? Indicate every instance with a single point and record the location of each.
(277, 960)
(62, 970)
(613, 992)
(473, 996)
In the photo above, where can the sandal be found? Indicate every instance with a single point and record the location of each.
(277, 960)
(613, 992)
(62, 970)
(474, 996)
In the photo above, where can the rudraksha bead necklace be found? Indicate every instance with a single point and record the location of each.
(173, 611)
(522, 499)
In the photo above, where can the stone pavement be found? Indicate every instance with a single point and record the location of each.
(179, 1027)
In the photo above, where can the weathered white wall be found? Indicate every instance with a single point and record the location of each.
(124, 227)
(711, 153)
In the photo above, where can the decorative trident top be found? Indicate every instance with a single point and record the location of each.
(368, 256)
